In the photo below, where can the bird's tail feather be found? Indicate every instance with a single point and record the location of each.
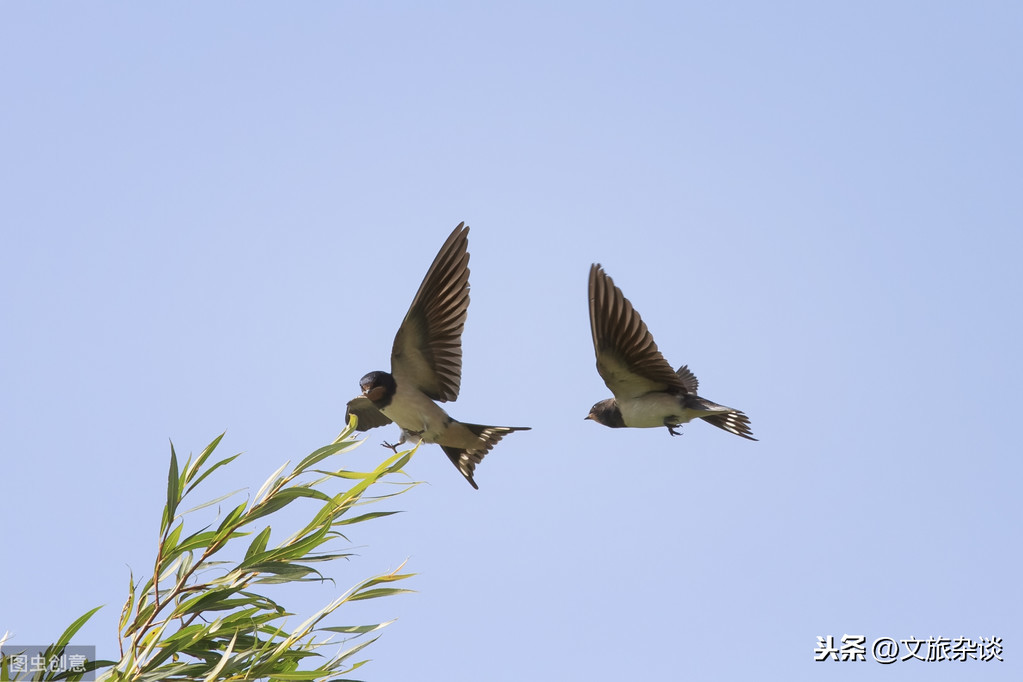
(732, 421)
(500, 432)
(466, 459)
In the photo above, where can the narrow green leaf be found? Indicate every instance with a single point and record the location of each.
(355, 629)
(378, 592)
(330, 511)
(274, 479)
(249, 618)
(177, 671)
(190, 471)
(186, 635)
(66, 636)
(196, 541)
(297, 549)
(212, 502)
(213, 468)
(283, 498)
(345, 474)
(319, 455)
(215, 600)
(223, 660)
(258, 544)
(354, 650)
(280, 568)
(184, 567)
(173, 489)
(129, 603)
(171, 540)
(230, 520)
(328, 557)
(364, 517)
(283, 572)
(396, 466)
(171, 566)
(387, 578)
(141, 616)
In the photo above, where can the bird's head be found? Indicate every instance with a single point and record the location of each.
(379, 387)
(606, 412)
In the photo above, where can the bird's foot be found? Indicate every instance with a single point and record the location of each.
(405, 434)
(671, 428)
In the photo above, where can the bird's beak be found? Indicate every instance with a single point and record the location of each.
(589, 416)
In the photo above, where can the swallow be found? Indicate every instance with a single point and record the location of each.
(426, 367)
(647, 392)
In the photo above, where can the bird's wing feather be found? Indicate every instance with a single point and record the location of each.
(427, 351)
(688, 379)
(369, 416)
(627, 357)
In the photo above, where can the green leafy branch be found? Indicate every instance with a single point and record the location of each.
(201, 616)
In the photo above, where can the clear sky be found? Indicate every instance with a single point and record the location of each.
(215, 217)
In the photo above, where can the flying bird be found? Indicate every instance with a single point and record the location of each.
(647, 392)
(426, 367)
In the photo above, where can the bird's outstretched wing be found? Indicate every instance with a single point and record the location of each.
(427, 351)
(369, 416)
(627, 357)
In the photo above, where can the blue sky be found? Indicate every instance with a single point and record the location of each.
(215, 217)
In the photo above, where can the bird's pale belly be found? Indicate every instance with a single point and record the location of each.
(424, 418)
(651, 410)
(427, 421)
